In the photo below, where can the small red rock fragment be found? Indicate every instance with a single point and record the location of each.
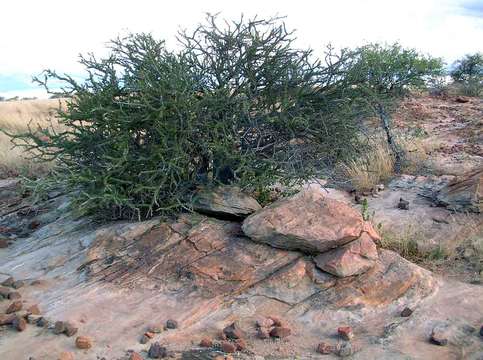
(345, 332)
(325, 349)
(228, 347)
(280, 332)
(19, 323)
(149, 334)
(3, 243)
(135, 356)
(83, 342)
(13, 307)
(240, 344)
(206, 342)
(65, 355)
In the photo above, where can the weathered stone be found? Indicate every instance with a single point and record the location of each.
(226, 202)
(406, 312)
(144, 339)
(59, 328)
(171, 324)
(65, 355)
(263, 333)
(14, 306)
(277, 321)
(70, 329)
(43, 322)
(280, 332)
(206, 342)
(308, 221)
(345, 349)
(461, 99)
(481, 330)
(8, 282)
(18, 284)
(351, 259)
(465, 193)
(233, 331)
(156, 351)
(345, 332)
(403, 204)
(264, 322)
(33, 310)
(14, 295)
(154, 329)
(19, 323)
(33, 319)
(325, 349)
(3, 243)
(4, 292)
(83, 342)
(149, 334)
(228, 347)
(439, 336)
(6, 319)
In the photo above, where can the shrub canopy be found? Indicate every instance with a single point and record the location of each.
(238, 104)
(468, 72)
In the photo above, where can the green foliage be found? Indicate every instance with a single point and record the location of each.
(385, 72)
(238, 104)
(468, 73)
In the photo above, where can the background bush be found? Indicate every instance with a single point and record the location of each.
(468, 73)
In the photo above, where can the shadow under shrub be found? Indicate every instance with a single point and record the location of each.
(238, 104)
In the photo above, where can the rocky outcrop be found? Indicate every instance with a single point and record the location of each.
(226, 202)
(351, 259)
(308, 221)
(464, 193)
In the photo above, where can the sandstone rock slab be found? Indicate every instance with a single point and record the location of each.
(308, 221)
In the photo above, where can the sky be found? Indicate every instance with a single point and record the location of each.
(36, 35)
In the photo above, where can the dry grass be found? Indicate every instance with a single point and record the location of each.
(15, 117)
(377, 166)
(374, 168)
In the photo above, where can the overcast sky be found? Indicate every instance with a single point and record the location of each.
(36, 34)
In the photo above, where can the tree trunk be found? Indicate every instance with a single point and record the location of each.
(386, 124)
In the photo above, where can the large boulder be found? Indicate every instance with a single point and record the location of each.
(308, 221)
(353, 258)
(226, 202)
(464, 193)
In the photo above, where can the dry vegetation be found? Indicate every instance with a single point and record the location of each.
(15, 117)
(377, 166)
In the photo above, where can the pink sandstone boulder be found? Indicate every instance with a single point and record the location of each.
(353, 258)
(308, 221)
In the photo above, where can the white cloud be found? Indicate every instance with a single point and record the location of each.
(50, 34)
